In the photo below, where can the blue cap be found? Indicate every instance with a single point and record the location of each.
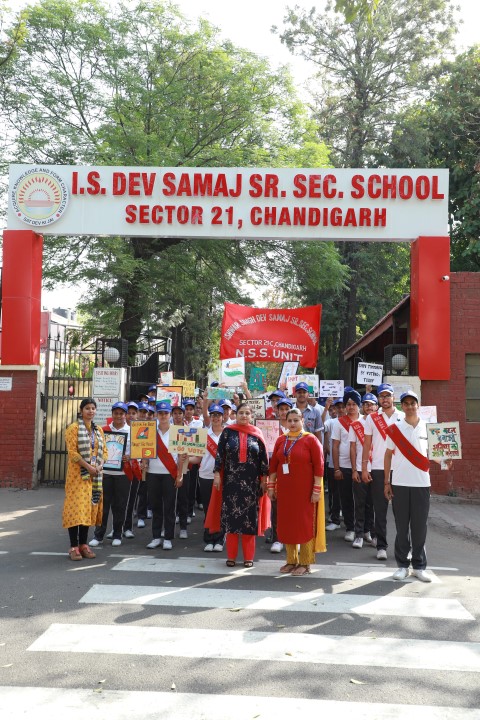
(119, 405)
(337, 401)
(277, 393)
(150, 409)
(143, 406)
(131, 403)
(385, 387)
(152, 387)
(234, 407)
(189, 401)
(285, 401)
(214, 383)
(178, 407)
(301, 386)
(215, 408)
(164, 406)
(370, 397)
(409, 393)
(225, 402)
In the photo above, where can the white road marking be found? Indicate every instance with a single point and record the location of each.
(260, 646)
(313, 601)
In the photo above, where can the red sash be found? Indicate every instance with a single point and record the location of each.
(380, 424)
(406, 448)
(211, 446)
(345, 422)
(359, 431)
(166, 457)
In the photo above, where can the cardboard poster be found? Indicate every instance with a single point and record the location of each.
(444, 441)
(170, 393)
(188, 387)
(289, 367)
(189, 440)
(270, 430)
(166, 378)
(116, 443)
(369, 374)
(331, 388)
(232, 371)
(143, 439)
(258, 379)
(219, 393)
(311, 380)
(428, 413)
(257, 406)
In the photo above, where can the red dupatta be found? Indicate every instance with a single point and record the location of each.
(213, 519)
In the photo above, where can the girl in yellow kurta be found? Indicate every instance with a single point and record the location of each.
(83, 504)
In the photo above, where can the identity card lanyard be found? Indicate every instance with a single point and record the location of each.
(92, 443)
(285, 468)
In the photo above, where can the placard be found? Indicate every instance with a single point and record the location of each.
(232, 371)
(116, 444)
(188, 387)
(6, 384)
(270, 431)
(311, 380)
(257, 406)
(444, 441)
(166, 378)
(170, 393)
(106, 382)
(427, 413)
(220, 393)
(258, 379)
(369, 374)
(331, 388)
(143, 439)
(189, 440)
(289, 367)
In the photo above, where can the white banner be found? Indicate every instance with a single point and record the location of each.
(369, 374)
(283, 203)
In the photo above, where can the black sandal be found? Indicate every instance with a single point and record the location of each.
(230, 563)
(248, 563)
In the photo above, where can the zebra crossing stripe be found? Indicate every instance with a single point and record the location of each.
(260, 646)
(314, 601)
(263, 568)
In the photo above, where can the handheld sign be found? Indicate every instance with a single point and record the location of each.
(444, 441)
(143, 439)
(116, 443)
(270, 431)
(311, 380)
(170, 393)
(369, 374)
(187, 440)
(331, 388)
(257, 406)
(289, 367)
(166, 378)
(232, 371)
(188, 387)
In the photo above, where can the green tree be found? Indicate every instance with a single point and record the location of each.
(366, 73)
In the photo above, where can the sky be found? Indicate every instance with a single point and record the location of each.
(248, 24)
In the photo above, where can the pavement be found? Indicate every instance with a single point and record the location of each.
(453, 515)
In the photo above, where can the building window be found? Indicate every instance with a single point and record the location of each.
(472, 387)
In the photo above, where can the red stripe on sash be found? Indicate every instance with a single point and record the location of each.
(406, 448)
(166, 457)
(211, 446)
(380, 424)
(345, 422)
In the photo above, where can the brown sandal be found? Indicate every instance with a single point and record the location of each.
(301, 570)
(288, 568)
(86, 552)
(74, 553)
(230, 563)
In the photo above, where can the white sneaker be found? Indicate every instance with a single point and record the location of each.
(177, 520)
(208, 548)
(162, 534)
(140, 522)
(116, 542)
(94, 542)
(200, 506)
(189, 520)
(154, 544)
(167, 545)
(368, 538)
(149, 514)
(128, 534)
(381, 554)
(332, 526)
(349, 536)
(420, 574)
(183, 535)
(400, 574)
(357, 543)
(110, 535)
(277, 547)
(374, 542)
(218, 547)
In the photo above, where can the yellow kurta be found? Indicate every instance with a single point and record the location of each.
(78, 508)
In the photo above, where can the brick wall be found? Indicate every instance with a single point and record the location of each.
(18, 413)
(449, 396)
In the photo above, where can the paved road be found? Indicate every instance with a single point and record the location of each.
(155, 634)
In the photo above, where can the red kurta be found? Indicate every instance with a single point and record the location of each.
(296, 521)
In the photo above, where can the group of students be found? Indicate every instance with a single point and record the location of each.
(242, 491)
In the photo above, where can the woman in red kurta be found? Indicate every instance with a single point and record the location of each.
(296, 481)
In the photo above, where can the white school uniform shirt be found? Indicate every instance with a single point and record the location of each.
(339, 433)
(328, 426)
(208, 461)
(378, 443)
(403, 472)
(352, 437)
(155, 465)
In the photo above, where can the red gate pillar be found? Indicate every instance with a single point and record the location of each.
(21, 297)
(430, 306)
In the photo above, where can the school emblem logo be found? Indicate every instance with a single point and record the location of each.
(39, 197)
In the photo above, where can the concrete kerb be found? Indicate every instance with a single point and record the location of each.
(453, 514)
